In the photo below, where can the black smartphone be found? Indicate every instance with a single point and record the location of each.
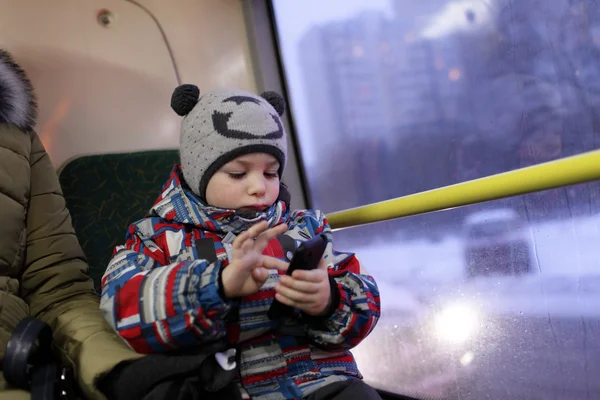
(306, 257)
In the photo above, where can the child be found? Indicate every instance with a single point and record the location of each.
(209, 258)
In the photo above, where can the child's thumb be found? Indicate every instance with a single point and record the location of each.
(322, 264)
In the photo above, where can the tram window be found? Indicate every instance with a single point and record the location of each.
(511, 313)
(489, 301)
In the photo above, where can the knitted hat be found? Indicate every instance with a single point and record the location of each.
(224, 124)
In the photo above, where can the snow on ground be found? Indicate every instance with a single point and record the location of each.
(419, 273)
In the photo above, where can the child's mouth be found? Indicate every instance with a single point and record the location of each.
(256, 207)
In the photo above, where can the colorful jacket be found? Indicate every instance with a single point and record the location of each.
(161, 292)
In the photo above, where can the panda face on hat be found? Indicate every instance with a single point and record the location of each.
(221, 125)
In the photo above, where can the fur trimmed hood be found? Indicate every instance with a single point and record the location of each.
(18, 105)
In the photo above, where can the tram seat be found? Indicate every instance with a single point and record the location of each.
(105, 193)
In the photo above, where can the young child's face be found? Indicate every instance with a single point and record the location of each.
(247, 182)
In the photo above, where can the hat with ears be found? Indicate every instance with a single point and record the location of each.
(221, 125)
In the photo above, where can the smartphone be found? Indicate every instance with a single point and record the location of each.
(306, 257)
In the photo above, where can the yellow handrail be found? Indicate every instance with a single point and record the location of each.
(567, 171)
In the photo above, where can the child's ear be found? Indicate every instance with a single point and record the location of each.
(284, 194)
(184, 98)
(275, 99)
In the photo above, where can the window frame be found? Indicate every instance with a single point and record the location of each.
(269, 72)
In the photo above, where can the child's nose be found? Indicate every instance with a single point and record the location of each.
(257, 187)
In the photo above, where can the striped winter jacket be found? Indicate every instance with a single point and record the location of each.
(161, 292)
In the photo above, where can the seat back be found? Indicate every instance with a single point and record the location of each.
(106, 193)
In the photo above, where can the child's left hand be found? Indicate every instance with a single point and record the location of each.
(308, 291)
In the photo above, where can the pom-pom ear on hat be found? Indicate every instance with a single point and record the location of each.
(184, 98)
(275, 99)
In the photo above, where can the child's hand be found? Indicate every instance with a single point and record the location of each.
(247, 272)
(308, 291)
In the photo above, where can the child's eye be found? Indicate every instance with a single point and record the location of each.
(271, 174)
(236, 175)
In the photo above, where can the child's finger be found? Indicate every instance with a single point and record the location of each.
(292, 303)
(247, 245)
(260, 274)
(284, 300)
(240, 240)
(294, 295)
(301, 286)
(316, 275)
(322, 264)
(265, 237)
(274, 263)
(257, 229)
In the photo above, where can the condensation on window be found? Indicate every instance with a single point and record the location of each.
(491, 301)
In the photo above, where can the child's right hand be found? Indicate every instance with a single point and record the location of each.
(247, 272)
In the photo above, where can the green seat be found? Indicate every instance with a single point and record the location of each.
(106, 193)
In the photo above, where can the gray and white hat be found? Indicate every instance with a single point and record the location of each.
(221, 125)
